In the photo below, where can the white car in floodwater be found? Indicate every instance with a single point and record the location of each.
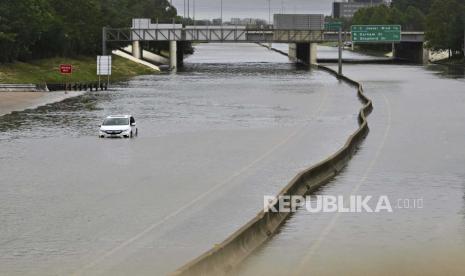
(123, 126)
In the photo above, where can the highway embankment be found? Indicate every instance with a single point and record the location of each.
(84, 70)
(46, 71)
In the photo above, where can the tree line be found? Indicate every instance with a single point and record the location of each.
(31, 29)
(442, 20)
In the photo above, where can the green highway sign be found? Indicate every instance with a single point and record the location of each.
(333, 25)
(376, 33)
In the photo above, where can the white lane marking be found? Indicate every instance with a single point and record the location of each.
(200, 197)
(301, 270)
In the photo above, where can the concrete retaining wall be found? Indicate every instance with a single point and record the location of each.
(224, 257)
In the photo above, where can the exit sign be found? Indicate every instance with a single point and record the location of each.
(376, 33)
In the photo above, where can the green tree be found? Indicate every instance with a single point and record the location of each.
(22, 23)
(445, 26)
(43, 28)
(422, 5)
(414, 19)
(410, 19)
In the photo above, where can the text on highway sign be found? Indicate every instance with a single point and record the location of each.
(376, 33)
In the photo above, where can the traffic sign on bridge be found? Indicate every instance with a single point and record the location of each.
(330, 26)
(376, 33)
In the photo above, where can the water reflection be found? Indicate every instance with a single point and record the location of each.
(448, 71)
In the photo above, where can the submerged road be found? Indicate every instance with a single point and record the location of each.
(237, 124)
(415, 150)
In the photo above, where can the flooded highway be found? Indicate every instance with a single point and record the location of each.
(238, 122)
(414, 154)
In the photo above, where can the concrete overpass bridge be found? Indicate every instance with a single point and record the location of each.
(302, 42)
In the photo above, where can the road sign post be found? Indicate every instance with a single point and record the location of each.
(340, 51)
(104, 68)
(376, 33)
(330, 26)
(66, 70)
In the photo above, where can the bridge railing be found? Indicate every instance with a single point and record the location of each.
(233, 34)
(206, 34)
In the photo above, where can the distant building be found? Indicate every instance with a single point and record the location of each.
(246, 22)
(217, 21)
(203, 22)
(348, 9)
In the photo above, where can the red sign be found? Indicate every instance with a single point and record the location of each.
(66, 68)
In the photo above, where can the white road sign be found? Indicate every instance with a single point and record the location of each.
(103, 65)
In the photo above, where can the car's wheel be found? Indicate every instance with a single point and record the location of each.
(101, 136)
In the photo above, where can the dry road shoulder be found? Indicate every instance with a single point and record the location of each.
(17, 101)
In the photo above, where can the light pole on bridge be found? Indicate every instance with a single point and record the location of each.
(269, 12)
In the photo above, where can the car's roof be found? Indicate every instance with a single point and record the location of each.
(119, 116)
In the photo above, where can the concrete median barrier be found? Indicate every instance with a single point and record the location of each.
(226, 256)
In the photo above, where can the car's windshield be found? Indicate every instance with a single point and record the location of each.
(116, 121)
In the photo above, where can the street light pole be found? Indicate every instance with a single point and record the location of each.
(221, 8)
(269, 12)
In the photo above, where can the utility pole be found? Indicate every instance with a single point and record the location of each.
(193, 4)
(221, 12)
(188, 9)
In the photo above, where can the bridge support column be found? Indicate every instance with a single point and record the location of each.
(313, 53)
(136, 50)
(292, 52)
(173, 55)
(426, 53)
(306, 52)
(415, 52)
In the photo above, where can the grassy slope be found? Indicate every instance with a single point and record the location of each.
(84, 70)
